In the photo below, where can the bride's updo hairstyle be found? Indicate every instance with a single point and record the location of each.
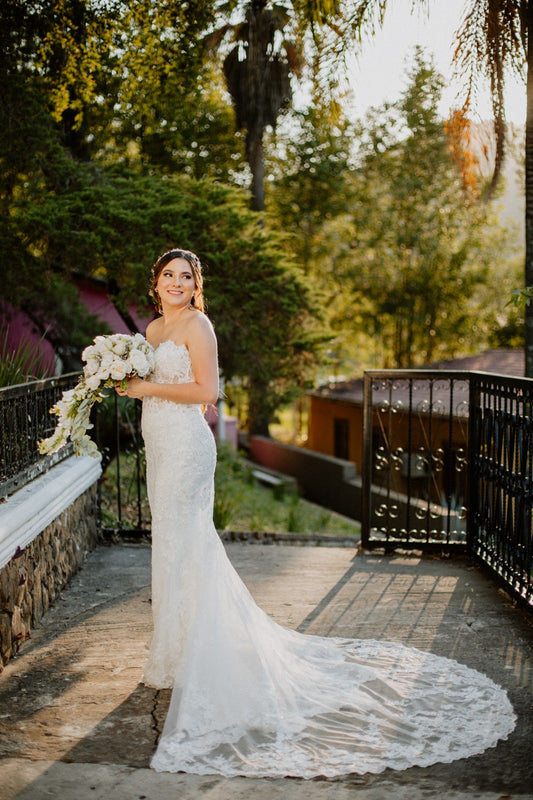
(197, 299)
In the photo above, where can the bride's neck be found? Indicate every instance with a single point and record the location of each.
(174, 316)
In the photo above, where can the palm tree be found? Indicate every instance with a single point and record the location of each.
(493, 40)
(258, 70)
(258, 80)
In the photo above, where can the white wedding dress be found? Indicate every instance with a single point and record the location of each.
(253, 698)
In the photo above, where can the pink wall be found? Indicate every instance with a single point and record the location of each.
(20, 329)
(96, 300)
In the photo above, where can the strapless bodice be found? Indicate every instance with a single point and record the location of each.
(172, 364)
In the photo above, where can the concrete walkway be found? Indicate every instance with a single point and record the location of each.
(75, 722)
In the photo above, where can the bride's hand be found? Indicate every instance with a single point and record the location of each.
(134, 388)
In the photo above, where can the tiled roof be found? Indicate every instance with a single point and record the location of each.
(499, 362)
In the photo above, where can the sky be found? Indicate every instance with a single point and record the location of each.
(378, 74)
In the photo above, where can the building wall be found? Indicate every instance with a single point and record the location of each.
(415, 435)
(321, 434)
(32, 580)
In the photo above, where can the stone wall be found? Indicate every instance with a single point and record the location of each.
(36, 574)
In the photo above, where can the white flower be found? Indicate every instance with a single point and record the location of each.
(92, 365)
(93, 382)
(119, 371)
(104, 374)
(139, 362)
(108, 359)
(120, 347)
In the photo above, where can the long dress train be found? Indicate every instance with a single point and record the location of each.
(252, 698)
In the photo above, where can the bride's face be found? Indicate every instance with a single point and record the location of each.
(175, 285)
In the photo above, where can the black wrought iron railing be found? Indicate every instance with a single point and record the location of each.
(415, 463)
(123, 503)
(24, 419)
(447, 467)
(501, 490)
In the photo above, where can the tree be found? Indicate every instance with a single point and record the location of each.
(111, 223)
(402, 255)
(258, 70)
(424, 249)
(268, 53)
(492, 41)
(311, 169)
(92, 186)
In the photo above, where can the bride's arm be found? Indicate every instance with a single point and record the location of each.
(202, 346)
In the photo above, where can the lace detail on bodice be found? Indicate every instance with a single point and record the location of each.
(253, 698)
(172, 364)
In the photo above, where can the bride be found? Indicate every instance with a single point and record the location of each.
(250, 697)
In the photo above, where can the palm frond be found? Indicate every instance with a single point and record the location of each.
(490, 42)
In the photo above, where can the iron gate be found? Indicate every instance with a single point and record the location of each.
(447, 467)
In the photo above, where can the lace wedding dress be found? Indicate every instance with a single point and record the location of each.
(253, 698)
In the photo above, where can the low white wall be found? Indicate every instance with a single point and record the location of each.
(46, 530)
(29, 510)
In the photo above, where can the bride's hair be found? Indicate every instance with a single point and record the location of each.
(198, 297)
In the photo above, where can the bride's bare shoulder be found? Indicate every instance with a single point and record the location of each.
(152, 330)
(199, 325)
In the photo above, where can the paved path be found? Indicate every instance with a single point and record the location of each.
(75, 722)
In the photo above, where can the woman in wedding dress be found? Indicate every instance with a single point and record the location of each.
(250, 697)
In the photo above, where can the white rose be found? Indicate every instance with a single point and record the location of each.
(119, 370)
(103, 374)
(119, 347)
(92, 365)
(92, 382)
(139, 362)
(89, 352)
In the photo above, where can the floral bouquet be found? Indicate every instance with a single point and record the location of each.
(109, 360)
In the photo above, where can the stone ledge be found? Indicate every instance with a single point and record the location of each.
(32, 508)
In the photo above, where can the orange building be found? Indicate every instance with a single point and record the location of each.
(336, 419)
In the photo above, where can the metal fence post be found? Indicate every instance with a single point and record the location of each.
(366, 485)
